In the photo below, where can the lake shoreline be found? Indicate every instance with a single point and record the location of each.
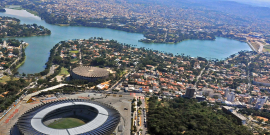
(39, 46)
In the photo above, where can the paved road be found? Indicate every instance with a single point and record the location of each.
(165, 37)
(19, 57)
(251, 46)
(80, 57)
(199, 76)
(140, 118)
(143, 127)
(261, 47)
(113, 87)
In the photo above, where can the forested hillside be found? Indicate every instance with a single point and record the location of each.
(186, 116)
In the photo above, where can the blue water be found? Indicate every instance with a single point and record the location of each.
(38, 50)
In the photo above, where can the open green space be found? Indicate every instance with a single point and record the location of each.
(32, 12)
(74, 60)
(74, 51)
(66, 123)
(64, 71)
(267, 48)
(4, 79)
(16, 7)
(19, 65)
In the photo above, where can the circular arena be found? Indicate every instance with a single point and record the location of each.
(89, 73)
(99, 118)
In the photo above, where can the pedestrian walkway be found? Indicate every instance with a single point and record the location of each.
(11, 116)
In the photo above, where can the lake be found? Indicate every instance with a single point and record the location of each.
(37, 52)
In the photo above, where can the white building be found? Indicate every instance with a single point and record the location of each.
(227, 92)
(260, 102)
(231, 97)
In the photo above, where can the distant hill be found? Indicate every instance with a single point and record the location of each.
(260, 3)
(239, 9)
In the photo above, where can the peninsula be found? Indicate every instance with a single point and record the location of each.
(11, 27)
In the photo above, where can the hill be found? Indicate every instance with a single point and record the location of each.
(179, 115)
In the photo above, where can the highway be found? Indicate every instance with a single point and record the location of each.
(261, 47)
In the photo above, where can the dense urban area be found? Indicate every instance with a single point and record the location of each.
(155, 92)
(234, 90)
(160, 22)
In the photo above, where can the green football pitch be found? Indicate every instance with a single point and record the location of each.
(66, 123)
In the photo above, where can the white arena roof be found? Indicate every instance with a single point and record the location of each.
(105, 121)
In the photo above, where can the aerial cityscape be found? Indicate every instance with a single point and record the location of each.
(133, 67)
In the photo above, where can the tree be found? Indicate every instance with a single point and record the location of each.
(134, 128)
(260, 121)
(187, 115)
(139, 102)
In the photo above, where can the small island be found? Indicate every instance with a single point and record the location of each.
(11, 27)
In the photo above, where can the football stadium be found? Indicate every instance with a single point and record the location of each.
(89, 73)
(68, 117)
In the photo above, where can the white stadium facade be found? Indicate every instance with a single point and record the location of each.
(102, 119)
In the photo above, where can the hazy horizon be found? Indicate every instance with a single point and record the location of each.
(262, 3)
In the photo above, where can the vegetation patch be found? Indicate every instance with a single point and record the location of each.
(74, 51)
(74, 60)
(267, 48)
(16, 7)
(64, 71)
(19, 65)
(192, 118)
(4, 79)
(32, 12)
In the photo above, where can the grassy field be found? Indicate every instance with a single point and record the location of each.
(74, 60)
(267, 48)
(64, 71)
(66, 123)
(4, 79)
(32, 12)
(19, 65)
(74, 51)
(16, 7)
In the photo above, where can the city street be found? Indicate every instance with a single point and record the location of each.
(139, 116)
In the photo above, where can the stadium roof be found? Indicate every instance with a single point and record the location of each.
(88, 71)
(104, 123)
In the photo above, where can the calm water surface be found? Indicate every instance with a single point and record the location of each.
(38, 50)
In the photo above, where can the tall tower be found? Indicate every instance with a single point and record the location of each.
(231, 97)
(226, 92)
(190, 92)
